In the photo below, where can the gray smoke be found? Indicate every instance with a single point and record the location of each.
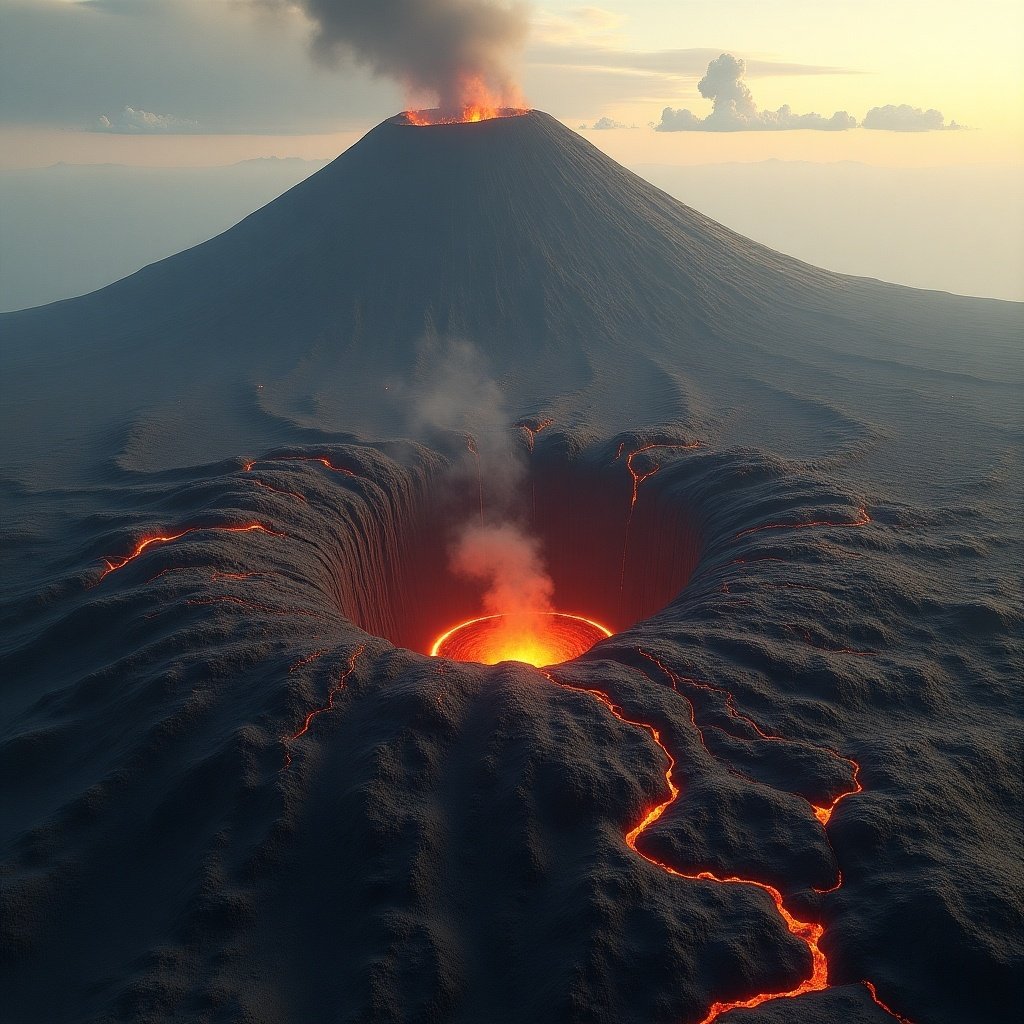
(455, 50)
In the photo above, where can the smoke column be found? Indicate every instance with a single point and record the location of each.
(456, 50)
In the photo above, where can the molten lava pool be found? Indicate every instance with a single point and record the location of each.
(547, 638)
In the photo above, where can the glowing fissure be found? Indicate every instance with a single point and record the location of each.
(638, 478)
(156, 540)
(307, 659)
(862, 520)
(323, 460)
(328, 705)
(277, 490)
(531, 432)
(822, 812)
(807, 932)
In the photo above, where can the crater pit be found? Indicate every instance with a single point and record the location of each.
(613, 561)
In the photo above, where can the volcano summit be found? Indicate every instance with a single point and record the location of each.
(238, 788)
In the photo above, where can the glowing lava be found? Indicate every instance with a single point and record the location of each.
(808, 932)
(544, 638)
(484, 108)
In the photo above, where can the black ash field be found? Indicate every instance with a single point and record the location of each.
(235, 789)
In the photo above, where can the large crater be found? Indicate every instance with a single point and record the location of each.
(610, 559)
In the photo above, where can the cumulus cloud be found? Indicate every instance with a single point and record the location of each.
(734, 110)
(131, 121)
(905, 118)
(606, 123)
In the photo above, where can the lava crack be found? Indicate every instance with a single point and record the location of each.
(155, 540)
(807, 932)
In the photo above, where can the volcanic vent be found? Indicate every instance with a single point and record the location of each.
(612, 557)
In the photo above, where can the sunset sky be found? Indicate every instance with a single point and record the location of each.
(212, 81)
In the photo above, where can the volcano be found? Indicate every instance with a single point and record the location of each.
(238, 787)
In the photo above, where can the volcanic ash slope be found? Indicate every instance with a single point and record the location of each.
(234, 791)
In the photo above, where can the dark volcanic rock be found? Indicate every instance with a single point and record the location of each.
(233, 791)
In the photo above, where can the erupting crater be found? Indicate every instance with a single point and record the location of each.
(547, 638)
(469, 114)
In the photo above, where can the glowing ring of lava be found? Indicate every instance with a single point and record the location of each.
(547, 638)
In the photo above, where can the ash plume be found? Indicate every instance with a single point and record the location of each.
(457, 50)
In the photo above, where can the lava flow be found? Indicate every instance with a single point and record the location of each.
(543, 638)
(807, 932)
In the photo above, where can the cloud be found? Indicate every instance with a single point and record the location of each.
(142, 122)
(664, 64)
(607, 123)
(64, 63)
(578, 25)
(905, 118)
(458, 51)
(734, 110)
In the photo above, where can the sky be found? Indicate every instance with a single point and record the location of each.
(164, 84)
(209, 81)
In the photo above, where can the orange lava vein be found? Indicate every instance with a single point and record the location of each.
(878, 1002)
(822, 812)
(333, 692)
(807, 932)
(322, 459)
(532, 432)
(862, 520)
(638, 478)
(277, 490)
(159, 539)
(307, 659)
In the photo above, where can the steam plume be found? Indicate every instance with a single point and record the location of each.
(456, 50)
(508, 561)
(457, 395)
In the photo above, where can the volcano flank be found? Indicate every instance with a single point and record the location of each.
(238, 787)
